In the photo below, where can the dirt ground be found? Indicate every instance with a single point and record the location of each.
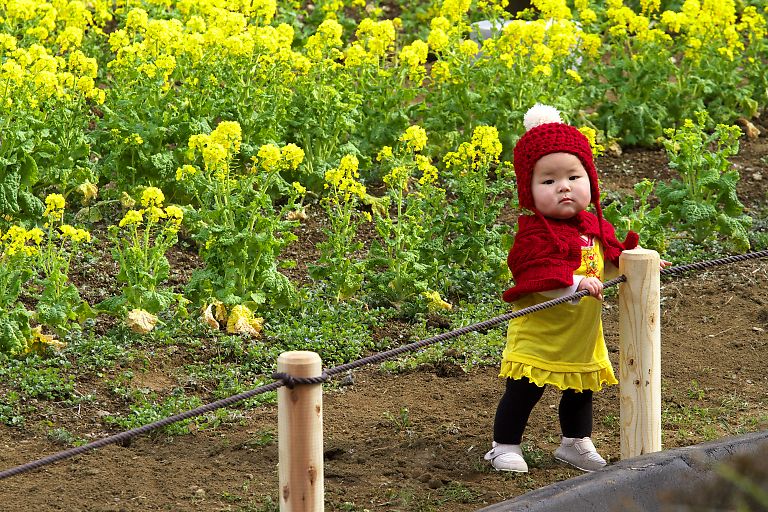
(415, 441)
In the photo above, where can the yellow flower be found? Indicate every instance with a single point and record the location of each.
(437, 40)
(34, 235)
(355, 56)
(397, 177)
(299, 188)
(591, 44)
(415, 54)
(384, 154)
(132, 217)
(154, 214)
(415, 138)
(442, 23)
(89, 191)
(184, 171)
(327, 38)
(152, 196)
(134, 139)
(16, 238)
(455, 10)
(553, 9)
(54, 207)
(137, 20)
(428, 171)
(174, 214)
(229, 135)
(343, 179)
(214, 156)
(464, 155)
(435, 302)
(7, 43)
(69, 38)
(574, 75)
(441, 72)
(377, 36)
(591, 136)
(269, 155)
(468, 48)
(293, 155)
(650, 6)
(75, 234)
(486, 140)
(587, 16)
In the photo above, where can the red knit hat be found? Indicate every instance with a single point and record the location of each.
(546, 133)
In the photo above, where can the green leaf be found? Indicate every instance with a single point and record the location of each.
(29, 174)
(112, 305)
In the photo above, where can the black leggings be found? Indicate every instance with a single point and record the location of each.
(575, 411)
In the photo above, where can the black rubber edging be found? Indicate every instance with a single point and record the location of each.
(633, 484)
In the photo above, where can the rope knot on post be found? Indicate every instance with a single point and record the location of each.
(290, 381)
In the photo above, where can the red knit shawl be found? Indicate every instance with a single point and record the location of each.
(539, 263)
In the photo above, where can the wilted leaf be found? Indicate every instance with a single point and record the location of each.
(242, 321)
(141, 321)
(208, 318)
(40, 342)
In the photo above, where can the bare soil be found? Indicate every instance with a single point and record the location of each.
(414, 441)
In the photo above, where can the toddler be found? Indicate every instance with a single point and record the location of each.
(559, 249)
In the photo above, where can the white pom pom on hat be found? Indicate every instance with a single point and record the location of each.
(540, 114)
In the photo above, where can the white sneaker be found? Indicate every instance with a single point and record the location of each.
(580, 453)
(507, 457)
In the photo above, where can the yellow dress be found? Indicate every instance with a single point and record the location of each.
(562, 345)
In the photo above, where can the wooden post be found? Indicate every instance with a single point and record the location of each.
(300, 435)
(640, 353)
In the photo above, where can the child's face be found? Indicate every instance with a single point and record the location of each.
(560, 186)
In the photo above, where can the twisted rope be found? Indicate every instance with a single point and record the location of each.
(481, 326)
(123, 437)
(701, 265)
(290, 381)
(283, 379)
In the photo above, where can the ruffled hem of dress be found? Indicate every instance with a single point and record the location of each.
(593, 381)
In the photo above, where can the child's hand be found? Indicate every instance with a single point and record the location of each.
(593, 285)
(662, 263)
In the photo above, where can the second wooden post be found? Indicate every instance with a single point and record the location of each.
(300, 435)
(640, 353)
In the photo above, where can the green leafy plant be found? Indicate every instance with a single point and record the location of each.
(703, 201)
(637, 214)
(339, 265)
(324, 107)
(150, 408)
(240, 231)
(42, 379)
(479, 183)
(401, 421)
(59, 306)
(18, 248)
(404, 269)
(19, 174)
(140, 243)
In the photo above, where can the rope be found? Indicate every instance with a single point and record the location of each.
(283, 379)
(701, 265)
(123, 437)
(290, 381)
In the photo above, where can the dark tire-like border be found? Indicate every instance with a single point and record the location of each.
(635, 484)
